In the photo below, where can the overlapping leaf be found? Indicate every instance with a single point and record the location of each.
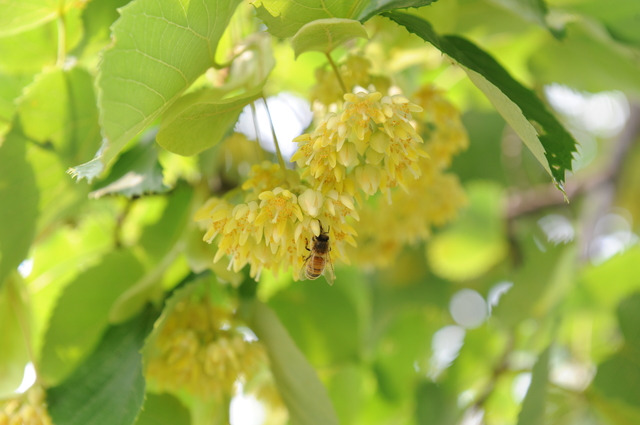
(160, 49)
(541, 132)
(108, 388)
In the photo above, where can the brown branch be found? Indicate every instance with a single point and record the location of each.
(541, 197)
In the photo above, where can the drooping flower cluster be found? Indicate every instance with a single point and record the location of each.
(28, 409)
(432, 200)
(274, 225)
(200, 350)
(371, 145)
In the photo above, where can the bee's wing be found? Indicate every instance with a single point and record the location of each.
(328, 273)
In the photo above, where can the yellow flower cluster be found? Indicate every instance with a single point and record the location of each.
(371, 145)
(432, 200)
(29, 409)
(274, 225)
(200, 350)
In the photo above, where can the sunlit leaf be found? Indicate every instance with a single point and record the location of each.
(541, 132)
(60, 107)
(19, 199)
(10, 88)
(14, 354)
(324, 35)
(80, 316)
(284, 18)
(199, 120)
(163, 409)
(376, 7)
(160, 49)
(298, 384)
(533, 406)
(107, 388)
(22, 15)
(29, 51)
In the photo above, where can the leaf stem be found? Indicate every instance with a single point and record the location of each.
(275, 140)
(62, 38)
(337, 72)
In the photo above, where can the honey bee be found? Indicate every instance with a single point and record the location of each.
(316, 263)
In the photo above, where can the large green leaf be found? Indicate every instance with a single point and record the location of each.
(160, 49)
(301, 390)
(19, 201)
(80, 316)
(60, 107)
(14, 354)
(108, 388)
(376, 7)
(199, 120)
(533, 406)
(543, 134)
(284, 17)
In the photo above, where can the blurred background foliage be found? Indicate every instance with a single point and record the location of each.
(524, 310)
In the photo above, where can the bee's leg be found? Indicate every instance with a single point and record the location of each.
(306, 246)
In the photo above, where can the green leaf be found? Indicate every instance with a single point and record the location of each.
(301, 390)
(435, 405)
(162, 243)
(543, 134)
(135, 173)
(160, 49)
(14, 354)
(22, 15)
(324, 35)
(108, 388)
(10, 88)
(284, 18)
(199, 120)
(533, 406)
(163, 409)
(377, 7)
(80, 316)
(606, 67)
(19, 199)
(475, 242)
(618, 377)
(60, 107)
(41, 42)
(325, 338)
(621, 18)
(532, 11)
(629, 318)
